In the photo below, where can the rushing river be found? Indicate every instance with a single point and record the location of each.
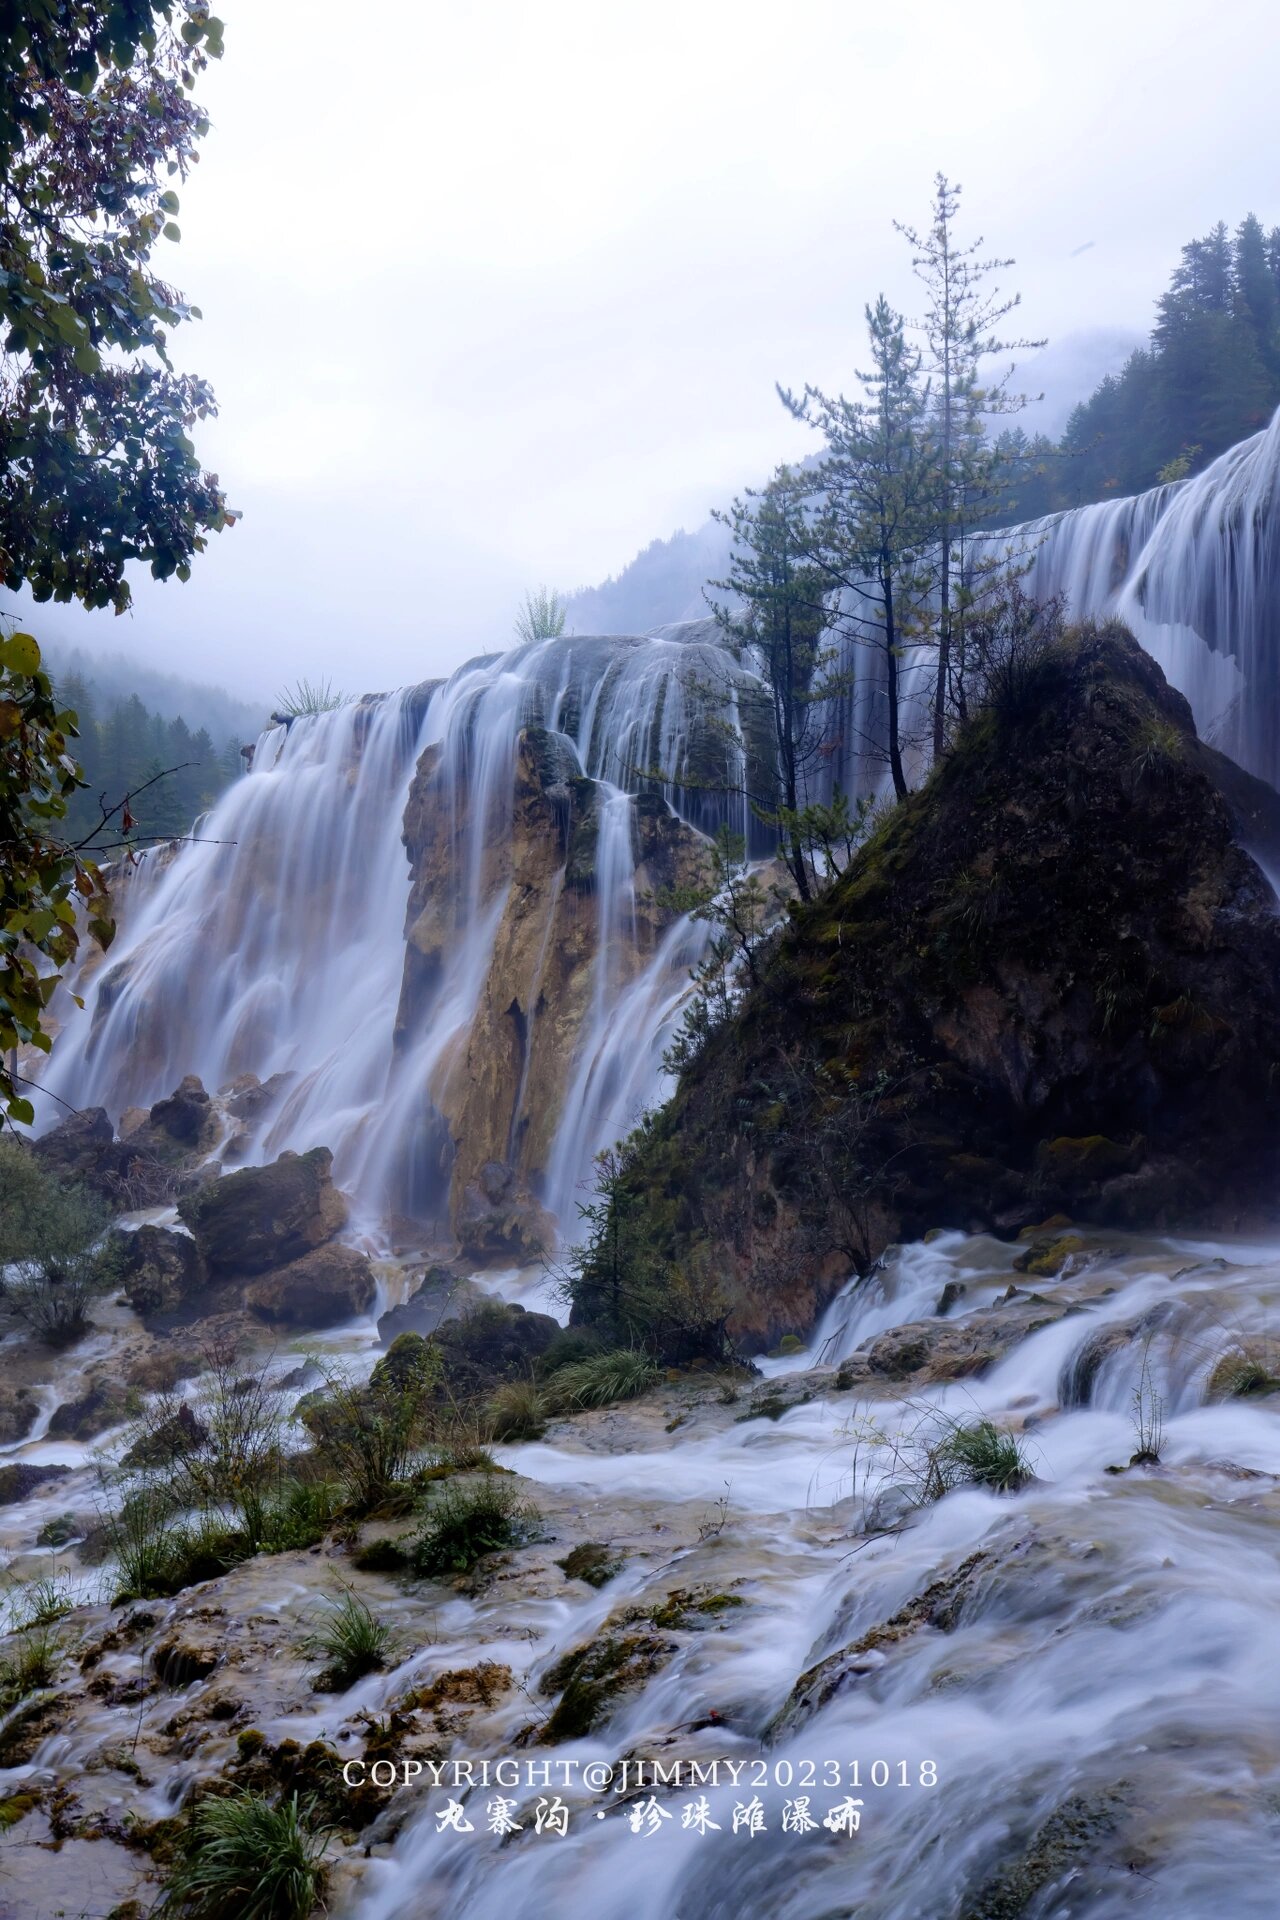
(1062, 1700)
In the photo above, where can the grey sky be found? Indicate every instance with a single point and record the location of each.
(494, 295)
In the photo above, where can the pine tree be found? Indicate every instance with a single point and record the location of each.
(777, 608)
(960, 326)
(878, 484)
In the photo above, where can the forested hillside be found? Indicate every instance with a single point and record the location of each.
(1210, 376)
(123, 745)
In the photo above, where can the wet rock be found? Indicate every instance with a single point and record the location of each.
(185, 1122)
(1048, 1257)
(440, 1295)
(61, 1530)
(593, 1562)
(182, 1658)
(323, 1288)
(264, 1217)
(1076, 1382)
(181, 1433)
(1069, 978)
(939, 1606)
(20, 1479)
(18, 1410)
(161, 1370)
(1077, 1835)
(592, 1680)
(495, 1341)
(928, 1350)
(105, 1404)
(499, 1219)
(83, 1148)
(248, 1097)
(158, 1269)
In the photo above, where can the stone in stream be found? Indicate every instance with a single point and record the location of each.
(265, 1217)
(159, 1270)
(22, 1477)
(322, 1288)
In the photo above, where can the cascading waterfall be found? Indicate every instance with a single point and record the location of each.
(274, 944)
(1193, 568)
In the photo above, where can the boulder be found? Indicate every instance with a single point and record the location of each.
(103, 1405)
(328, 1285)
(499, 1219)
(440, 1295)
(18, 1410)
(1047, 982)
(181, 1433)
(20, 1479)
(262, 1218)
(83, 1149)
(183, 1124)
(159, 1270)
(497, 1340)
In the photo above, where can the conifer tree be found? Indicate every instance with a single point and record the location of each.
(961, 328)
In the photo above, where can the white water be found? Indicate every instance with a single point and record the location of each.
(275, 945)
(1194, 570)
(1117, 1640)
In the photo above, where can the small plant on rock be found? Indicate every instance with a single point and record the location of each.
(469, 1520)
(353, 1642)
(32, 1666)
(517, 1411)
(600, 1380)
(978, 1455)
(243, 1859)
(1147, 1415)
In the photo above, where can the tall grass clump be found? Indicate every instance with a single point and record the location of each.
(468, 1520)
(600, 1380)
(352, 1641)
(243, 1859)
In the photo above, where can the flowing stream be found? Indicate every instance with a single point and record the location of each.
(1087, 1663)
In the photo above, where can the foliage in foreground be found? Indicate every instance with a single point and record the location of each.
(244, 1859)
(32, 1666)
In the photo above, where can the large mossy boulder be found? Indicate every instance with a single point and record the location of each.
(322, 1288)
(263, 1217)
(495, 1341)
(1049, 982)
(83, 1149)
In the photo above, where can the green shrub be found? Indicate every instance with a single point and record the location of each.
(468, 1521)
(243, 1859)
(353, 1642)
(300, 1515)
(40, 1603)
(32, 1666)
(49, 1235)
(516, 1411)
(600, 1380)
(370, 1434)
(980, 1455)
(158, 1555)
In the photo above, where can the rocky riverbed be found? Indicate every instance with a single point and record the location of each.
(750, 1569)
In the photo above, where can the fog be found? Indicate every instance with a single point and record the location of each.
(495, 296)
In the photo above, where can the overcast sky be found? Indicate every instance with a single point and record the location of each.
(496, 294)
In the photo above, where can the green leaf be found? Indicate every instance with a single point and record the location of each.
(20, 653)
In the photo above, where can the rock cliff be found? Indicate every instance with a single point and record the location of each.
(1049, 983)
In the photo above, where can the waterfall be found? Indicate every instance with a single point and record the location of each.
(1193, 568)
(274, 943)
